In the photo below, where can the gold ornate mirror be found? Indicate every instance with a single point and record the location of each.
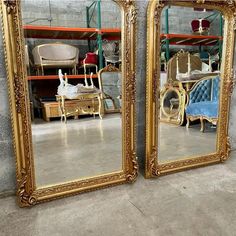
(111, 86)
(189, 83)
(64, 141)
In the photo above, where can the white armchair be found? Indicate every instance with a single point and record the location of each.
(55, 55)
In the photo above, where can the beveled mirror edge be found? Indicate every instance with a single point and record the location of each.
(152, 167)
(27, 193)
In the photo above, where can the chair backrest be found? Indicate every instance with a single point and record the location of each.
(205, 90)
(109, 48)
(58, 51)
(215, 88)
(195, 61)
(91, 58)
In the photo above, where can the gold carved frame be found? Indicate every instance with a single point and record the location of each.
(152, 167)
(27, 192)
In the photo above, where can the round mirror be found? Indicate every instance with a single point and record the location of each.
(170, 103)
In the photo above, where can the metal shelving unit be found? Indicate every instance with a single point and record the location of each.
(192, 40)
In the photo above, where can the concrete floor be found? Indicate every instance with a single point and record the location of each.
(195, 202)
(79, 149)
(89, 147)
(177, 142)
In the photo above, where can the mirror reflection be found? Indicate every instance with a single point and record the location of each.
(73, 54)
(191, 51)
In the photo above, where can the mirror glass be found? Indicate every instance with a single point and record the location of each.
(191, 51)
(66, 44)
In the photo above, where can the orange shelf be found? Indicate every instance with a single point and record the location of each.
(34, 31)
(53, 77)
(191, 40)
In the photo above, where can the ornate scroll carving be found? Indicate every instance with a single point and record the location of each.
(131, 88)
(200, 1)
(155, 87)
(132, 177)
(157, 12)
(24, 197)
(11, 5)
(18, 85)
(153, 160)
(110, 68)
(132, 15)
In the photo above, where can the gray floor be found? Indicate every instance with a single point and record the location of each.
(89, 147)
(196, 202)
(79, 149)
(177, 142)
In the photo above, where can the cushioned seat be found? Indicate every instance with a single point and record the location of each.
(57, 63)
(205, 109)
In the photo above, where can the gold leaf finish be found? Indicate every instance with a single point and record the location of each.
(27, 192)
(152, 167)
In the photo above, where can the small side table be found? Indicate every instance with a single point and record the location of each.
(85, 104)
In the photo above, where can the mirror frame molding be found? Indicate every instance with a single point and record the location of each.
(152, 167)
(13, 40)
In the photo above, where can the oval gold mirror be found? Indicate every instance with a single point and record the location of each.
(189, 83)
(171, 101)
(65, 140)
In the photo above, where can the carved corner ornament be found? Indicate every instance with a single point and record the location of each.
(225, 155)
(25, 198)
(132, 177)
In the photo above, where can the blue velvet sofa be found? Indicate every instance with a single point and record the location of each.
(203, 101)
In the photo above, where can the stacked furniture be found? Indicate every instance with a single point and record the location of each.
(183, 71)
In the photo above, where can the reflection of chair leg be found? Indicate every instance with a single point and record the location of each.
(202, 124)
(42, 70)
(74, 70)
(37, 71)
(100, 109)
(188, 123)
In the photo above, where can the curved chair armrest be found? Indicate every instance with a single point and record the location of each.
(36, 56)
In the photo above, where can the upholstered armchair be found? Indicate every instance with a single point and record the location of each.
(203, 101)
(55, 55)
